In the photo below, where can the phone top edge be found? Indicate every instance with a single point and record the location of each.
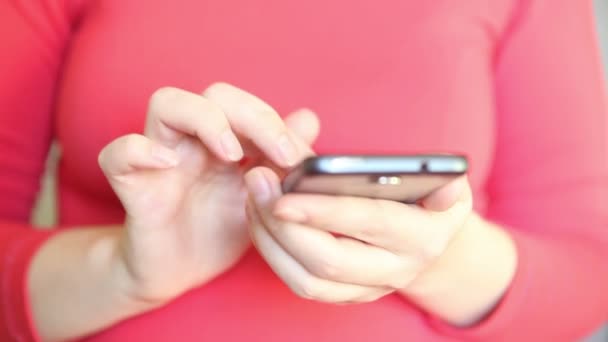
(386, 164)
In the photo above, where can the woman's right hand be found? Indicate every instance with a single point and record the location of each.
(182, 187)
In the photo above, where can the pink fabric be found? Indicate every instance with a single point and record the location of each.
(516, 85)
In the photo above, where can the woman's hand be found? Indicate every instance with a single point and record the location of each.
(347, 249)
(439, 253)
(181, 184)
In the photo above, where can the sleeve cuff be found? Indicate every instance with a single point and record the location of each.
(16, 254)
(500, 320)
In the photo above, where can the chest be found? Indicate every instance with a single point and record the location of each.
(386, 77)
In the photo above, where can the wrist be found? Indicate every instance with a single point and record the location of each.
(130, 288)
(81, 267)
(106, 254)
(470, 278)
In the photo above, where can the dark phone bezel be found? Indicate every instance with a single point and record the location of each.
(420, 164)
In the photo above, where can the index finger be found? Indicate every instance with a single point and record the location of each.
(173, 113)
(378, 222)
(254, 119)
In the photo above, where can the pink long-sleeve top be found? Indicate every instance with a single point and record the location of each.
(514, 84)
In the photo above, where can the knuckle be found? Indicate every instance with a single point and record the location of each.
(309, 288)
(278, 229)
(249, 108)
(273, 228)
(217, 87)
(374, 295)
(328, 267)
(164, 96)
(267, 111)
(259, 114)
(398, 283)
(368, 232)
(402, 280)
(102, 158)
(433, 251)
(404, 270)
(367, 295)
(130, 139)
(370, 229)
(120, 145)
(132, 144)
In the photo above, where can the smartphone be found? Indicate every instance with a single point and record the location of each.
(403, 178)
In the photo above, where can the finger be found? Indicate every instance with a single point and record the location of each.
(297, 278)
(320, 253)
(341, 259)
(448, 195)
(304, 123)
(255, 120)
(133, 152)
(397, 274)
(173, 112)
(382, 223)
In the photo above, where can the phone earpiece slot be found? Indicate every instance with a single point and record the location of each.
(424, 167)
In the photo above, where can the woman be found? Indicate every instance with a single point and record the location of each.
(161, 250)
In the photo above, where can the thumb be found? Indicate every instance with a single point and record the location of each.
(263, 184)
(446, 196)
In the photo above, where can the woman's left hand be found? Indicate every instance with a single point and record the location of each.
(339, 249)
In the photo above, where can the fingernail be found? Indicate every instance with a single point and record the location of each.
(258, 186)
(290, 214)
(165, 156)
(231, 146)
(287, 150)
